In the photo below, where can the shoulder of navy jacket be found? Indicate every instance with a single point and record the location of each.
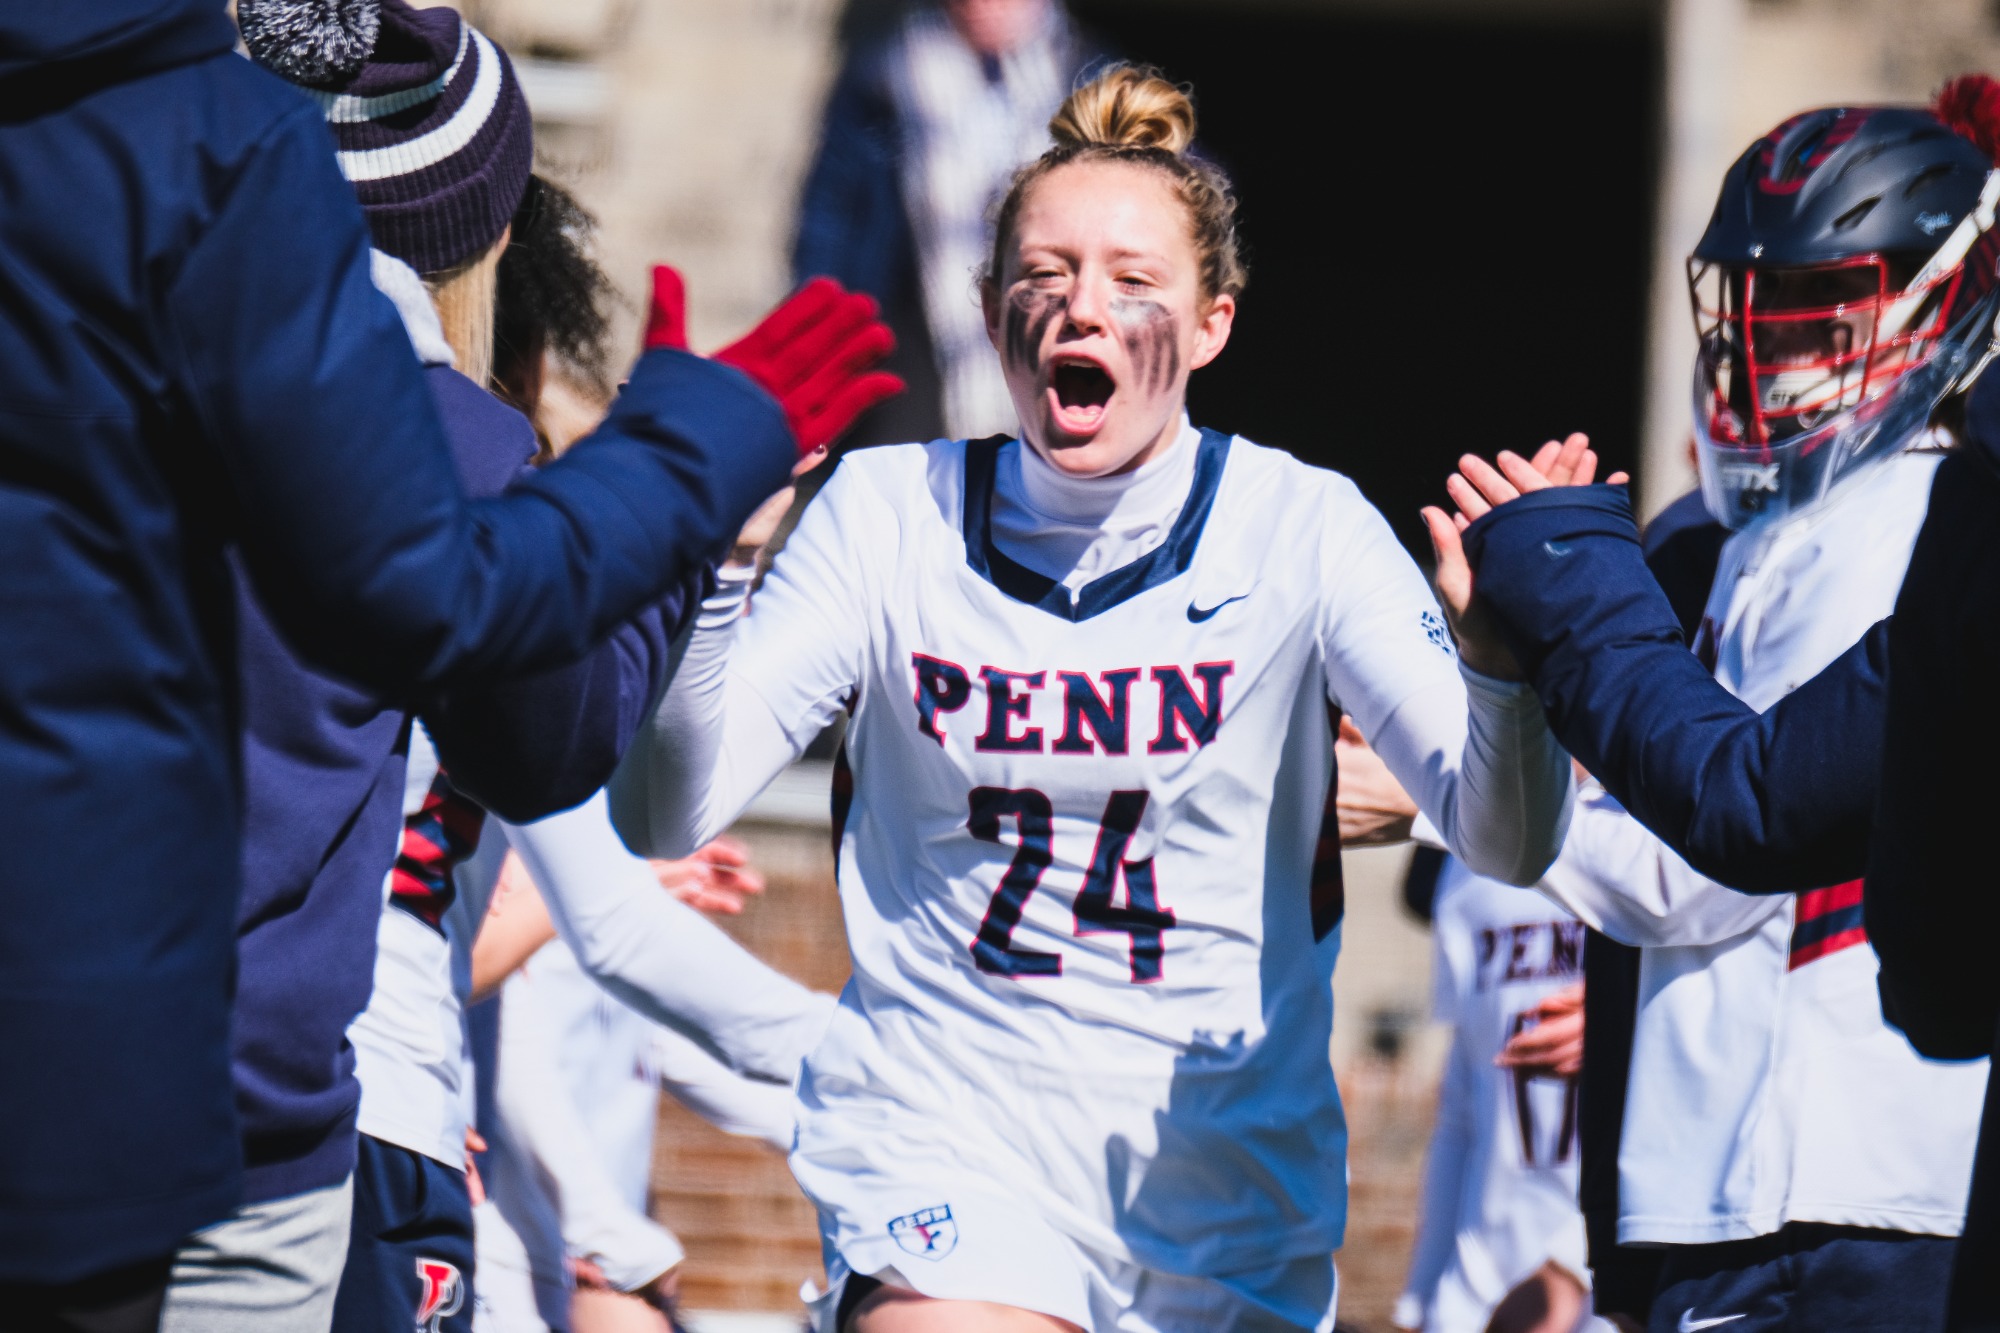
(1557, 515)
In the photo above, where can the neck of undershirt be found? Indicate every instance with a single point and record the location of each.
(1078, 529)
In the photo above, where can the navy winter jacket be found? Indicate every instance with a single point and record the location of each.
(192, 356)
(1933, 892)
(323, 765)
(1932, 900)
(1777, 802)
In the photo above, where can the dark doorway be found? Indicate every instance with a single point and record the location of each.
(1449, 225)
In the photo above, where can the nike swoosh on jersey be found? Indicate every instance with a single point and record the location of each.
(1197, 614)
(1689, 1324)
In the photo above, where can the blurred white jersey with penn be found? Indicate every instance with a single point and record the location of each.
(1500, 1178)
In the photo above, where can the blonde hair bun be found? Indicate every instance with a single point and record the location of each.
(1130, 114)
(1127, 107)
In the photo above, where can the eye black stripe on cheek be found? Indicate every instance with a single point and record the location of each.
(1028, 317)
(1149, 334)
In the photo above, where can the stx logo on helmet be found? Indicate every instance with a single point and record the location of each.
(443, 1293)
(1751, 476)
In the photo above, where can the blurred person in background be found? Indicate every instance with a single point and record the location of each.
(204, 392)
(1500, 1241)
(924, 130)
(575, 1103)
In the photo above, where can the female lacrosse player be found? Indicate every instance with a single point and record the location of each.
(1079, 1078)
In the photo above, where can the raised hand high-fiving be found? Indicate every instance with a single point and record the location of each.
(816, 353)
(1476, 488)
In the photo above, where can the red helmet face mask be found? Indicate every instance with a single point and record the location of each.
(1786, 349)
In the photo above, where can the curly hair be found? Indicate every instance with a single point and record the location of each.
(551, 298)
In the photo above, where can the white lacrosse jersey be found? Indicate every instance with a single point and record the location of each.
(1089, 874)
(1765, 1086)
(1500, 1178)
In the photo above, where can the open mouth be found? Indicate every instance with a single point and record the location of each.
(1081, 390)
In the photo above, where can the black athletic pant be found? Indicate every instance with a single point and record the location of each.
(125, 1300)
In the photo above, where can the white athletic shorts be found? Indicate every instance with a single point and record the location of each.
(955, 1235)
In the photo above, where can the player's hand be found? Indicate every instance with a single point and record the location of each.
(663, 1293)
(1549, 1298)
(587, 1275)
(1479, 643)
(815, 353)
(763, 524)
(666, 316)
(475, 1188)
(1479, 486)
(1554, 1045)
(718, 879)
(1371, 805)
(1476, 489)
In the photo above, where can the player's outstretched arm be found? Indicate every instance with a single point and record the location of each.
(542, 1135)
(752, 691)
(661, 957)
(356, 532)
(1773, 803)
(1473, 751)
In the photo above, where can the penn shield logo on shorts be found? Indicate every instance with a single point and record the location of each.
(443, 1292)
(1434, 630)
(928, 1233)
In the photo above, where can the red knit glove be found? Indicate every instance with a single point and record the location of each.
(814, 353)
(667, 322)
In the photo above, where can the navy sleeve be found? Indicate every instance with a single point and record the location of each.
(531, 745)
(1772, 803)
(1931, 910)
(356, 532)
(1683, 546)
(526, 746)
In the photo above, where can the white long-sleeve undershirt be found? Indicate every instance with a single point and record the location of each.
(1616, 877)
(659, 955)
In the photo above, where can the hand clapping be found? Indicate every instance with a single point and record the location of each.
(1476, 488)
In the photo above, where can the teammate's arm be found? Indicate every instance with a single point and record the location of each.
(358, 537)
(660, 956)
(541, 1124)
(751, 692)
(1474, 752)
(1619, 879)
(1772, 803)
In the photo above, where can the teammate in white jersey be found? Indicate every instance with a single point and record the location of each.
(1501, 1175)
(1801, 1164)
(1080, 1076)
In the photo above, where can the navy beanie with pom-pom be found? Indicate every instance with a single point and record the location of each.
(427, 114)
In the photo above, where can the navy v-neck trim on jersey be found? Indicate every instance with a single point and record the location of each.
(1168, 560)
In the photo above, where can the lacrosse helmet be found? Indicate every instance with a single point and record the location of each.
(1846, 285)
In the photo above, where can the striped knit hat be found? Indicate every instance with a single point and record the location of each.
(426, 112)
